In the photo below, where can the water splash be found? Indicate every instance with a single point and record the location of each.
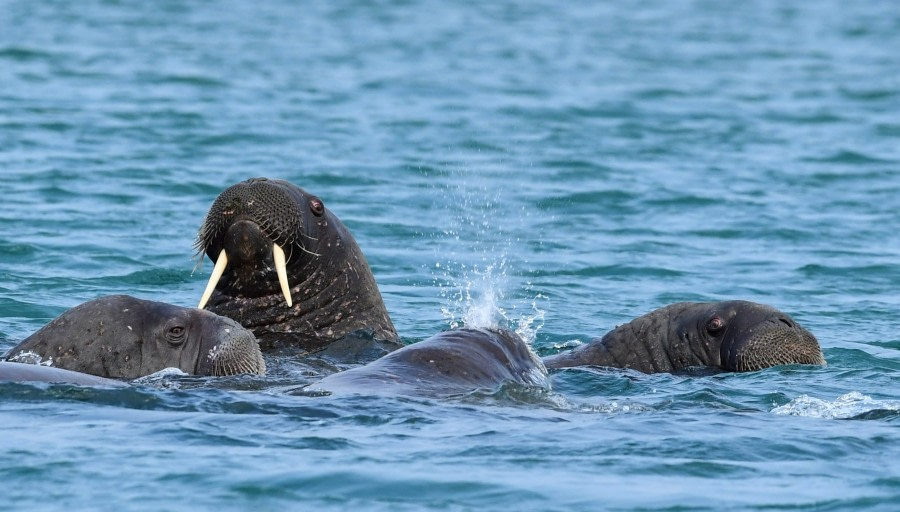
(848, 405)
(474, 295)
(476, 270)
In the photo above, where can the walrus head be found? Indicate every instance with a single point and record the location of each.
(733, 335)
(257, 226)
(125, 338)
(286, 267)
(756, 336)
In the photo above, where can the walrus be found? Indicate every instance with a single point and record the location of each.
(736, 335)
(122, 337)
(287, 269)
(452, 362)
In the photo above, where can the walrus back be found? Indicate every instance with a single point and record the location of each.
(452, 362)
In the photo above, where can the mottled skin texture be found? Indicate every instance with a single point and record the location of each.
(452, 362)
(727, 336)
(19, 372)
(334, 292)
(123, 337)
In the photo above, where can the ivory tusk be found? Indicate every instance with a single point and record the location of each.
(221, 263)
(281, 269)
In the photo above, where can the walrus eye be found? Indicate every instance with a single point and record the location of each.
(316, 206)
(175, 334)
(715, 325)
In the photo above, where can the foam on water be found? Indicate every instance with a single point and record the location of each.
(849, 405)
(161, 378)
(31, 357)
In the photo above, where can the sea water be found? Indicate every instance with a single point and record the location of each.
(558, 168)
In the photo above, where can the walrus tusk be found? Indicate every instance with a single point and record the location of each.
(221, 263)
(281, 269)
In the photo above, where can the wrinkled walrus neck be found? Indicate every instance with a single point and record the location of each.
(328, 305)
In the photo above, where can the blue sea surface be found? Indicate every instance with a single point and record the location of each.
(554, 167)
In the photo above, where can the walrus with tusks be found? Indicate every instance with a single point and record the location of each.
(288, 269)
(122, 337)
(734, 335)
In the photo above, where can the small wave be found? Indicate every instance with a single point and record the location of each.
(852, 405)
(157, 276)
(184, 79)
(17, 250)
(888, 129)
(817, 117)
(848, 157)
(869, 94)
(23, 54)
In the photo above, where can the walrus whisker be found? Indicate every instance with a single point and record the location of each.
(199, 261)
(304, 249)
(217, 272)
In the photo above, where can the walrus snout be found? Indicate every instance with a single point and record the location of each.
(246, 245)
(232, 350)
(778, 341)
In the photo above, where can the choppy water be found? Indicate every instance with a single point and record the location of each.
(555, 167)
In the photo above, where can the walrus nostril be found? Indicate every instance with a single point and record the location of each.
(787, 322)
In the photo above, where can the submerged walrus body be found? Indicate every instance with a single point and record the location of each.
(23, 372)
(123, 337)
(730, 336)
(452, 362)
(288, 269)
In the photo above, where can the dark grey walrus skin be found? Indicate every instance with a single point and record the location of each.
(733, 335)
(324, 289)
(122, 337)
(450, 363)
